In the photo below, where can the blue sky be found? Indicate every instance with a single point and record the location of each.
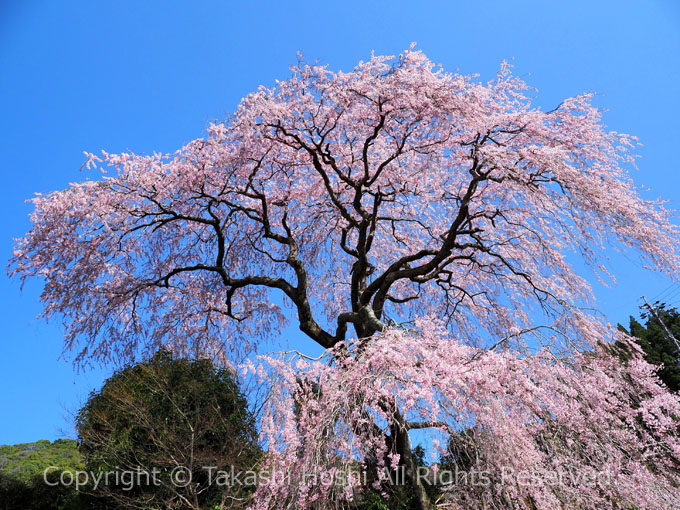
(84, 76)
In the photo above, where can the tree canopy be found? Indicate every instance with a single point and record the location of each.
(419, 225)
(166, 414)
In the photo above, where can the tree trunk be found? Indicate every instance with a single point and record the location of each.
(402, 446)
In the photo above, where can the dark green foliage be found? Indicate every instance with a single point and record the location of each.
(398, 492)
(23, 485)
(657, 347)
(165, 413)
(460, 452)
(22, 494)
(43, 491)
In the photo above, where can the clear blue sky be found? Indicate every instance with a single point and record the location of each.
(145, 76)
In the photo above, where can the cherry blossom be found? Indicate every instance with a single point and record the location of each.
(418, 225)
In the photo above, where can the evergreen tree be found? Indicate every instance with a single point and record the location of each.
(170, 414)
(659, 349)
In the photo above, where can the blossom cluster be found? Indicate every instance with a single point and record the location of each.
(587, 415)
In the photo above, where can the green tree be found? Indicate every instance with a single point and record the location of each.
(30, 476)
(166, 414)
(26, 460)
(658, 348)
